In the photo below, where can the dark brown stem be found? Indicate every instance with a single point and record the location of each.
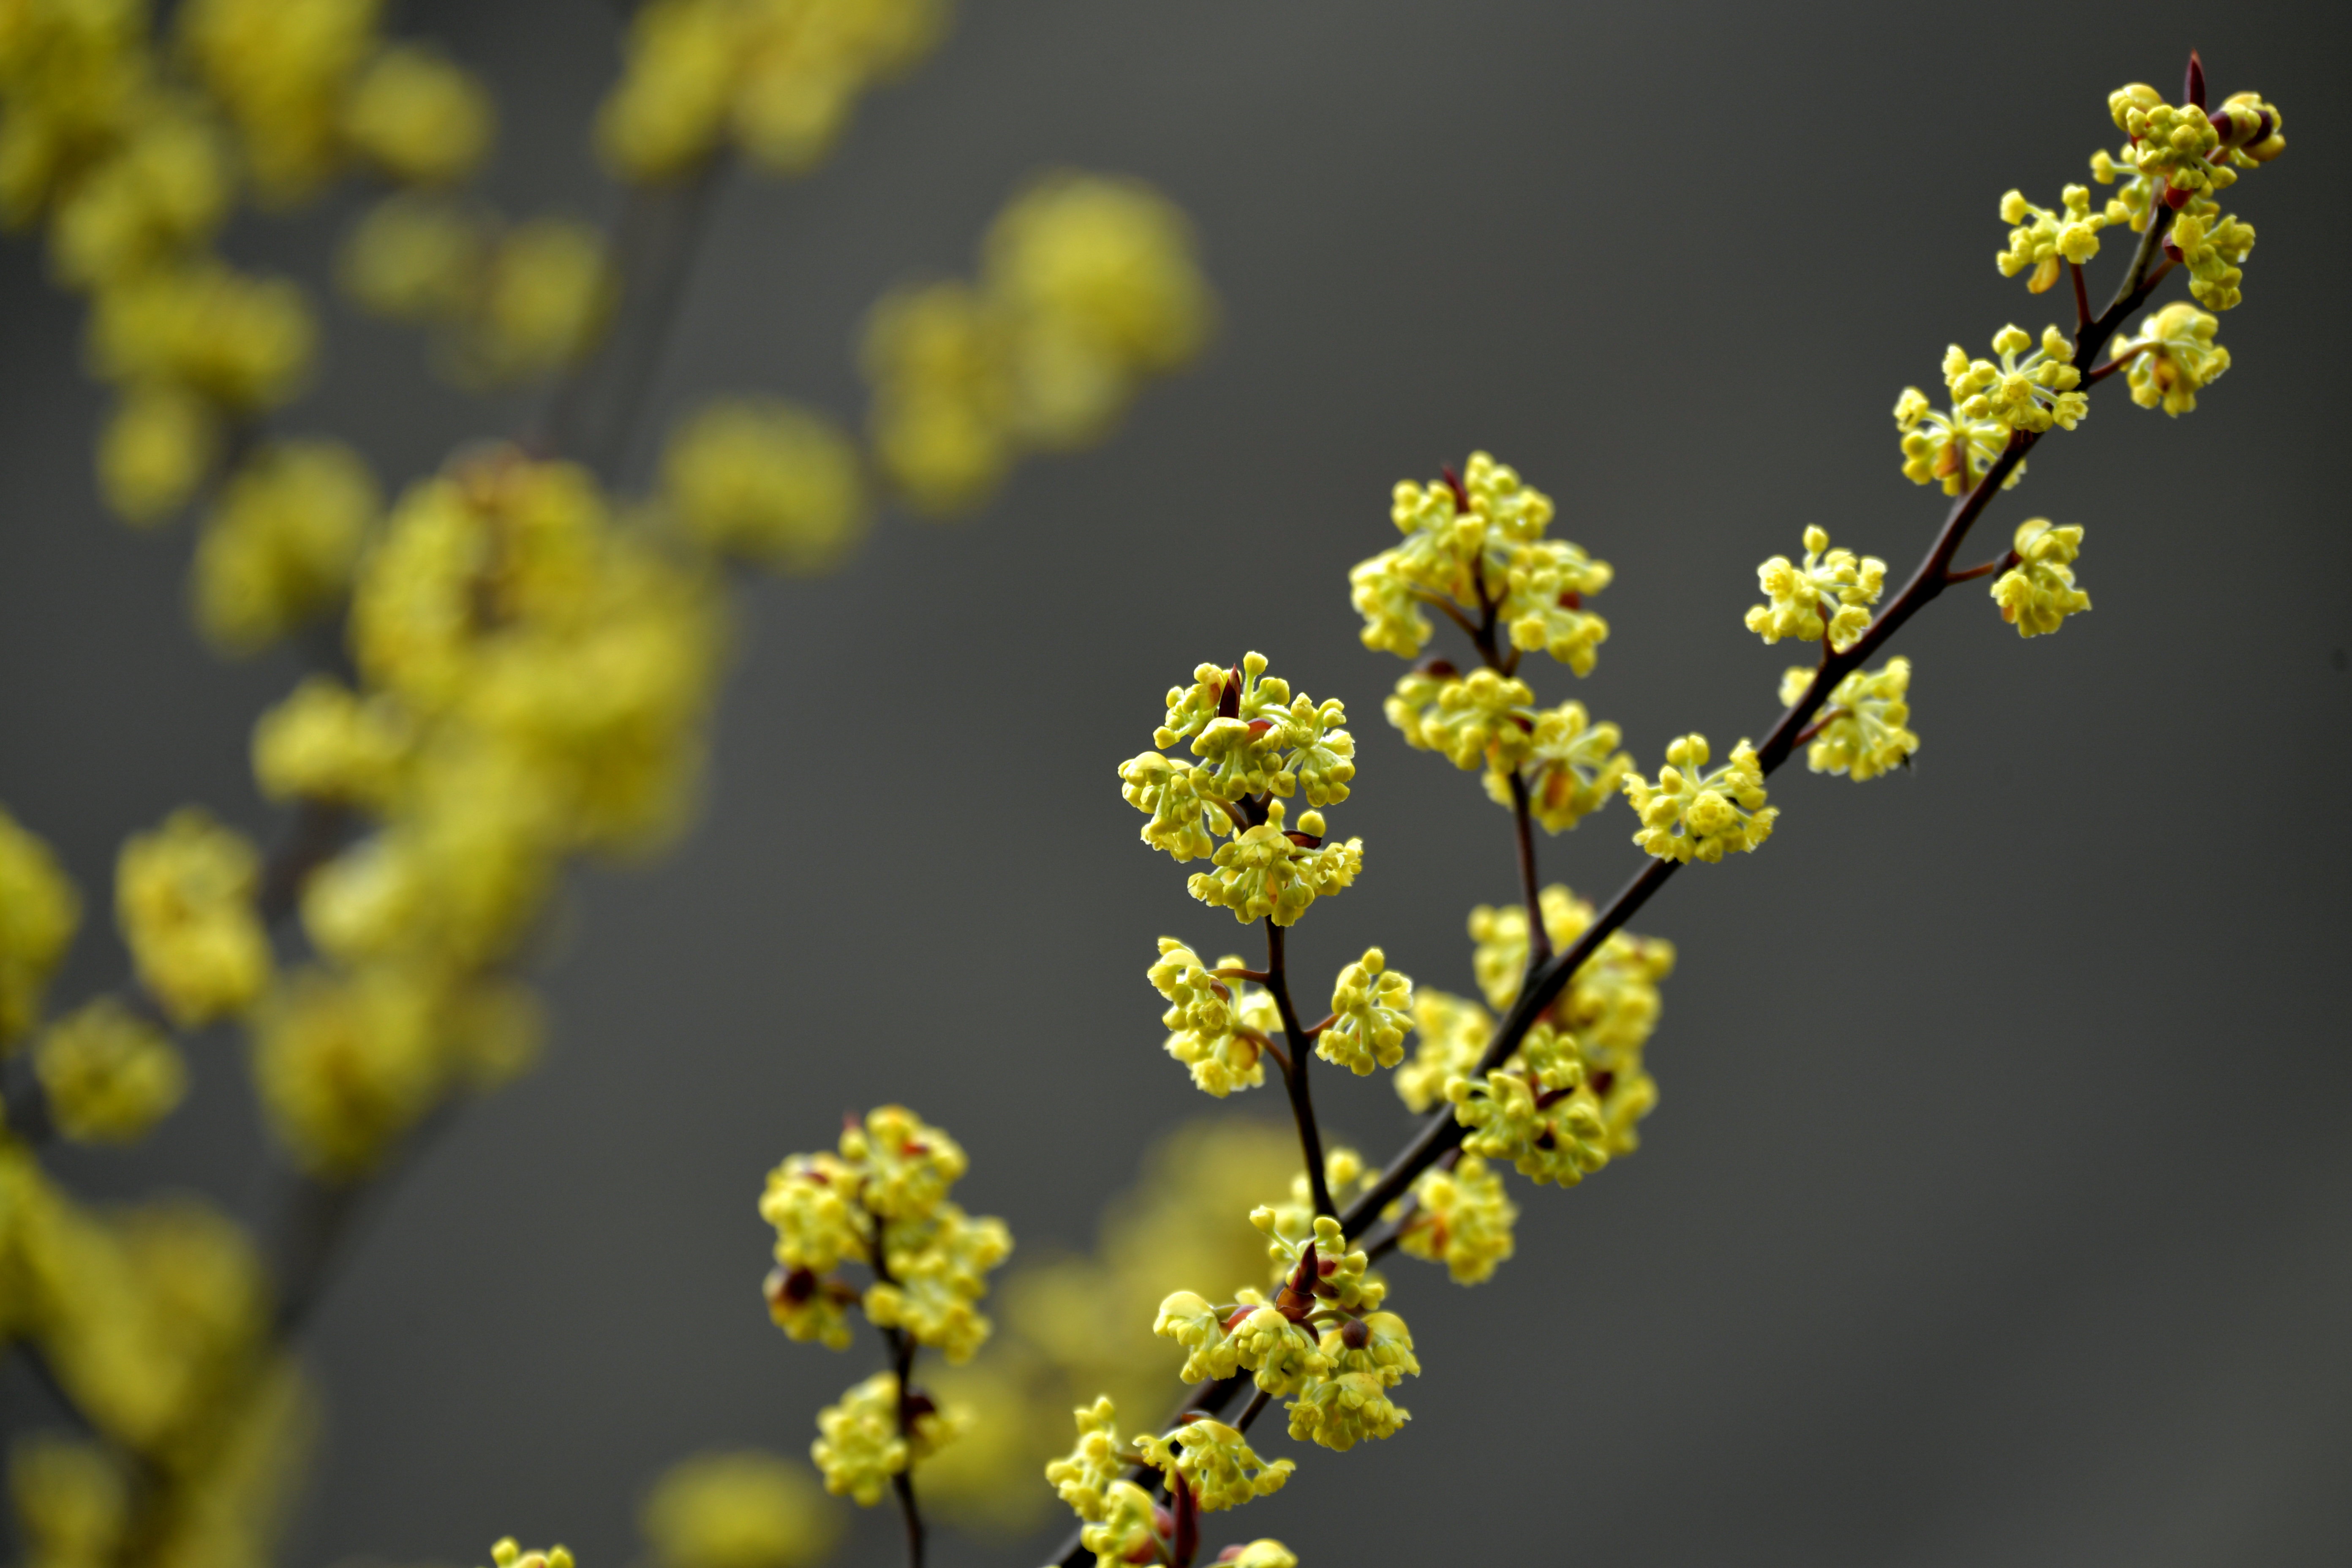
(2002, 563)
(1302, 1103)
(1252, 1410)
(1523, 820)
(902, 1349)
(2082, 297)
(1453, 613)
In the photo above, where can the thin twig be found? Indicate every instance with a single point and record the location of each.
(1302, 1103)
(2082, 297)
(1523, 821)
(2001, 563)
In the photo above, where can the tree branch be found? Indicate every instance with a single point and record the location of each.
(1302, 1103)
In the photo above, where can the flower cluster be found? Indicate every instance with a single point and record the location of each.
(2041, 239)
(766, 480)
(108, 1073)
(777, 80)
(1321, 1341)
(1372, 1009)
(2177, 161)
(39, 912)
(1474, 545)
(738, 1509)
(281, 541)
(1219, 1025)
(1693, 815)
(1796, 593)
(2028, 391)
(2173, 357)
(134, 150)
(881, 1200)
(1568, 765)
(506, 302)
(1258, 745)
(185, 899)
(2038, 594)
(871, 1436)
(1088, 288)
(1461, 1218)
(1861, 727)
(508, 1554)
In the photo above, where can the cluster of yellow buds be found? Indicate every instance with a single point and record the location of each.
(185, 898)
(1796, 593)
(2038, 594)
(281, 541)
(766, 480)
(777, 80)
(871, 1436)
(1215, 1462)
(1372, 1009)
(1322, 1341)
(1088, 289)
(153, 1320)
(2029, 391)
(881, 1200)
(1219, 1025)
(1258, 745)
(2041, 239)
(108, 1074)
(1693, 815)
(2173, 357)
(134, 153)
(1536, 1111)
(2178, 159)
(1475, 544)
(506, 302)
(39, 912)
(508, 1554)
(1569, 766)
(1860, 729)
(1610, 1005)
(1573, 768)
(1461, 1218)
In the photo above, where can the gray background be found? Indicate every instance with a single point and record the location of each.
(1999, 1207)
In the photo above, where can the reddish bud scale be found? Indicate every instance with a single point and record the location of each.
(1453, 483)
(2193, 88)
(1229, 694)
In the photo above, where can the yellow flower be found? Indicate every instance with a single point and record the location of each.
(2042, 240)
(39, 912)
(1482, 718)
(547, 289)
(740, 1510)
(1798, 592)
(1861, 727)
(2032, 393)
(1216, 1461)
(1699, 816)
(1453, 1036)
(1098, 277)
(769, 480)
(419, 118)
(280, 69)
(110, 1075)
(1131, 1528)
(346, 1065)
(506, 1553)
(1573, 768)
(325, 744)
(1462, 1219)
(1477, 543)
(1549, 1134)
(184, 896)
(939, 1267)
(244, 343)
(861, 1445)
(1215, 1026)
(909, 1165)
(279, 545)
(161, 192)
(1260, 1553)
(940, 360)
(1084, 1475)
(2038, 594)
(1953, 449)
(415, 257)
(73, 1502)
(155, 448)
(1265, 873)
(1371, 1011)
(1348, 1402)
(2177, 358)
(812, 1201)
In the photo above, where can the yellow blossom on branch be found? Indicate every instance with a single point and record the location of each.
(1690, 814)
(2038, 594)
